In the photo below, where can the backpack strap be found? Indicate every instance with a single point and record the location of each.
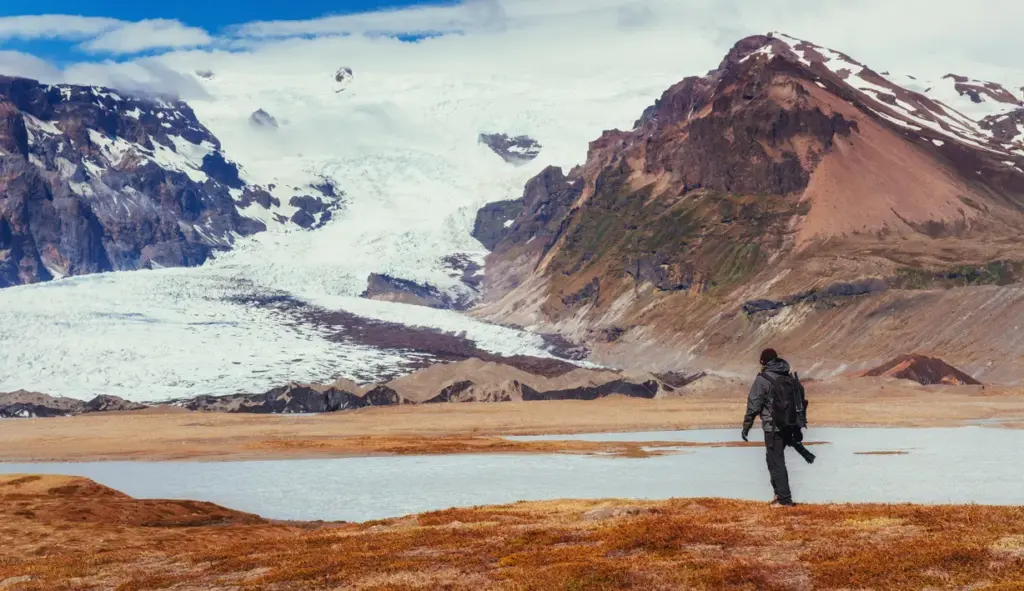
(767, 377)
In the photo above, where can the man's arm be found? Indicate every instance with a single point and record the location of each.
(755, 403)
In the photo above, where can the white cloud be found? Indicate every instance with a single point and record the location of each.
(685, 37)
(54, 26)
(105, 35)
(141, 76)
(24, 65)
(146, 35)
(416, 20)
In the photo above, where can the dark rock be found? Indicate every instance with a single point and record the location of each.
(262, 118)
(256, 195)
(494, 220)
(392, 289)
(22, 410)
(343, 77)
(222, 171)
(826, 297)
(23, 404)
(382, 396)
(470, 270)
(308, 203)
(104, 403)
(303, 219)
(647, 390)
(514, 150)
(679, 380)
(289, 399)
(205, 74)
(13, 134)
(1006, 127)
(326, 187)
(451, 393)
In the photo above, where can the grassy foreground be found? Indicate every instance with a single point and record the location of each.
(70, 533)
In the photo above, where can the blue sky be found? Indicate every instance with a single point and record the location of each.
(213, 16)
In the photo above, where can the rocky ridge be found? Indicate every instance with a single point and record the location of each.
(472, 380)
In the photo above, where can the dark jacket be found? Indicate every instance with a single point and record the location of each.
(758, 401)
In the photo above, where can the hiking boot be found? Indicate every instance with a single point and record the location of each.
(778, 503)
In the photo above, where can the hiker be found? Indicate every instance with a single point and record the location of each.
(779, 399)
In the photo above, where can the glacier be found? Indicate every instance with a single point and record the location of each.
(400, 143)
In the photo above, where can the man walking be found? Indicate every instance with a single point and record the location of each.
(778, 397)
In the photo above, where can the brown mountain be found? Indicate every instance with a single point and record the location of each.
(794, 196)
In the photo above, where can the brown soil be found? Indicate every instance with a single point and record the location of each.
(473, 427)
(700, 544)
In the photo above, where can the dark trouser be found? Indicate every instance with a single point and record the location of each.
(775, 446)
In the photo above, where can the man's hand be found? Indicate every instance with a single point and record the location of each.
(744, 434)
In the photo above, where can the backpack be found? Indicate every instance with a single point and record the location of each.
(788, 402)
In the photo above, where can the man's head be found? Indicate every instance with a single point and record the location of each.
(768, 355)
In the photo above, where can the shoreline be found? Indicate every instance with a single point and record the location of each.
(176, 435)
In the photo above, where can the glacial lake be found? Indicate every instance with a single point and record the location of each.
(960, 465)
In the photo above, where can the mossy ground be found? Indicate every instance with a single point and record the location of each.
(67, 536)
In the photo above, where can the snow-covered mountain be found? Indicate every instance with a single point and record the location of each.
(95, 181)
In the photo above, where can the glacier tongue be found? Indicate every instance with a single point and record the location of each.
(401, 145)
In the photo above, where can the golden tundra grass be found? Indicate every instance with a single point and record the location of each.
(69, 533)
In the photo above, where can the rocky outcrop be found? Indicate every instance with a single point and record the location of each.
(980, 91)
(517, 150)
(382, 395)
(494, 220)
(475, 380)
(830, 296)
(386, 288)
(1006, 127)
(923, 370)
(23, 404)
(343, 78)
(648, 389)
(261, 118)
(105, 403)
(289, 399)
(93, 181)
